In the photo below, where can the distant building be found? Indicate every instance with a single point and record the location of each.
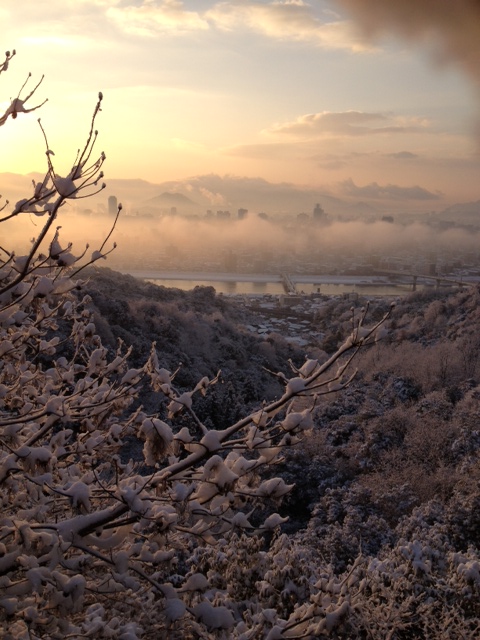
(223, 215)
(242, 213)
(287, 300)
(112, 205)
(318, 213)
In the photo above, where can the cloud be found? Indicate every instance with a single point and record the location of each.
(287, 20)
(453, 27)
(149, 18)
(298, 150)
(292, 20)
(214, 198)
(338, 161)
(101, 20)
(57, 22)
(403, 155)
(348, 123)
(387, 192)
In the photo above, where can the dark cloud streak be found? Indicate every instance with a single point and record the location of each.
(453, 26)
(403, 155)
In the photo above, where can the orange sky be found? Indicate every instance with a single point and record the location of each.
(287, 90)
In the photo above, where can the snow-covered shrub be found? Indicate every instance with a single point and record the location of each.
(97, 543)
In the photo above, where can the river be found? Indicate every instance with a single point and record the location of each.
(270, 284)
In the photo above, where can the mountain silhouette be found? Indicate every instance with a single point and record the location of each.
(172, 199)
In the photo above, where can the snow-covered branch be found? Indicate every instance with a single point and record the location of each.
(105, 503)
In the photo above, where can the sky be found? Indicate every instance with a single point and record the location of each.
(374, 100)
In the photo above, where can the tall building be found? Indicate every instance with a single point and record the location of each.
(318, 212)
(242, 213)
(112, 205)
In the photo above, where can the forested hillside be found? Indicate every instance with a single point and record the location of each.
(198, 333)
(386, 487)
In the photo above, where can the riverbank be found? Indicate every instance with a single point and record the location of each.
(254, 284)
(256, 277)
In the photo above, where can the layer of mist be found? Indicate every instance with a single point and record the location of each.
(192, 244)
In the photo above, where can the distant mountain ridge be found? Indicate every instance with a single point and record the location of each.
(197, 194)
(200, 193)
(467, 212)
(169, 198)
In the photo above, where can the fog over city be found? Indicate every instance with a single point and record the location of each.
(373, 119)
(164, 239)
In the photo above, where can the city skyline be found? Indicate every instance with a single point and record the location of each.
(287, 91)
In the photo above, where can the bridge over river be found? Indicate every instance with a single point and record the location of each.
(296, 283)
(413, 278)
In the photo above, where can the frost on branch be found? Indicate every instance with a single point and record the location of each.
(95, 542)
(82, 521)
(17, 105)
